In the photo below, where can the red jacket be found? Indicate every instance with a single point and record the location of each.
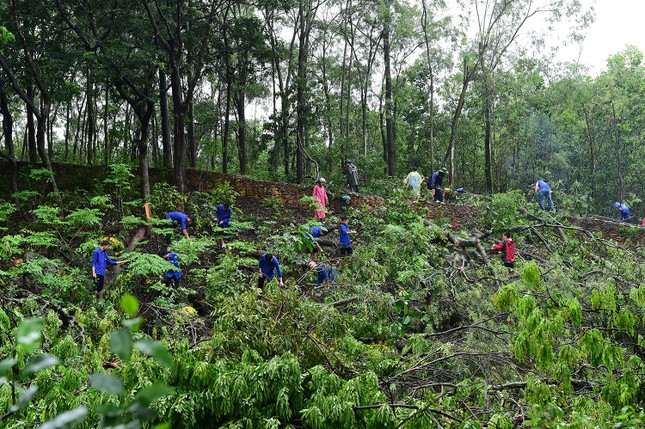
(507, 247)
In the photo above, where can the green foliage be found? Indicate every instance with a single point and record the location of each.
(146, 264)
(503, 210)
(165, 198)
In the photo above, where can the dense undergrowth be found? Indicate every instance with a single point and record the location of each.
(413, 334)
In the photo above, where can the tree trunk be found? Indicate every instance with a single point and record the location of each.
(488, 165)
(165, 119)
(300, 88)
(31, 129)
(68, 118)
(389, 121)
(190, 132)
(227, 112)
(179, 116)
(7, 132)
(241, 130)
(424, 25)
(90, 118)
(106, 127)
(450, 153)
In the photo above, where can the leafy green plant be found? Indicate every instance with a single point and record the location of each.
(166, 198)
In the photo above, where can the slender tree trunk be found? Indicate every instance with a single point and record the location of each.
(424, 25)
(488, 165)
(180, 118)
(165, 119)
(620, 191)
(450, 153)
(190, 131)
(7, 132)
(227, 113)
(592, 157)
(68, 119)
(90, 118)
(389, 121)
(300, 89)
(31, 129)
(241, 131)
(106, 127)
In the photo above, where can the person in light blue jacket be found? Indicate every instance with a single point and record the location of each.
(543, 190)
(625, 214)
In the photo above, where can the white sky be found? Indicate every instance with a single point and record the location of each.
(618, 23)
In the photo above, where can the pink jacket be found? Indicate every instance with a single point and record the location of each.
(321, 195)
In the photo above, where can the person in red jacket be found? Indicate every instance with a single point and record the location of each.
(507, 249)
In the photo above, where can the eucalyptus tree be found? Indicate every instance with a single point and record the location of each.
(183, 29)
(499, 24)
(622, 89)
(34, 59)
(7, 129)
(124, 53)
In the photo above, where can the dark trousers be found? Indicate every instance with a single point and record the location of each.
(438, 194)
(345, 251)
(261, 280)
(99, 283)
(168, 281)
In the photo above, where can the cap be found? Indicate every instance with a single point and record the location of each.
(443, 170)
(348, 161)
(322, 180)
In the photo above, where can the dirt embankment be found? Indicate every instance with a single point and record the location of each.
(74, 176)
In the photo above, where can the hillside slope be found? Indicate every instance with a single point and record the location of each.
(415, 332)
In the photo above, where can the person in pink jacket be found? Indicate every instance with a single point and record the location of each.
(321, 195)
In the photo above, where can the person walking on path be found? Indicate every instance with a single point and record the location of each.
(173, 276)
(345, 239)
(100, 259)
(507, 249)
(179, 220)
(543, 190)
(268, 266)
(320, 194)
(351, 171)
(435, 182)
(414, 180)
(625, 214)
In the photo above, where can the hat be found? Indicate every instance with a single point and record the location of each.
(443, 170)
(322, 180)
(348, 161)
(617, 205)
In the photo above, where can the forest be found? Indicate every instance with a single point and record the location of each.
(116, 113)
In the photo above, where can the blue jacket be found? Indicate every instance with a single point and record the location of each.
(172, 258)
(224, 216)
(543, 186)
(100, 259)
(268, 267)
(345, 239)
(315, 231)
(322, 274)
(436, 180)
(178, 217)
(625, 214)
